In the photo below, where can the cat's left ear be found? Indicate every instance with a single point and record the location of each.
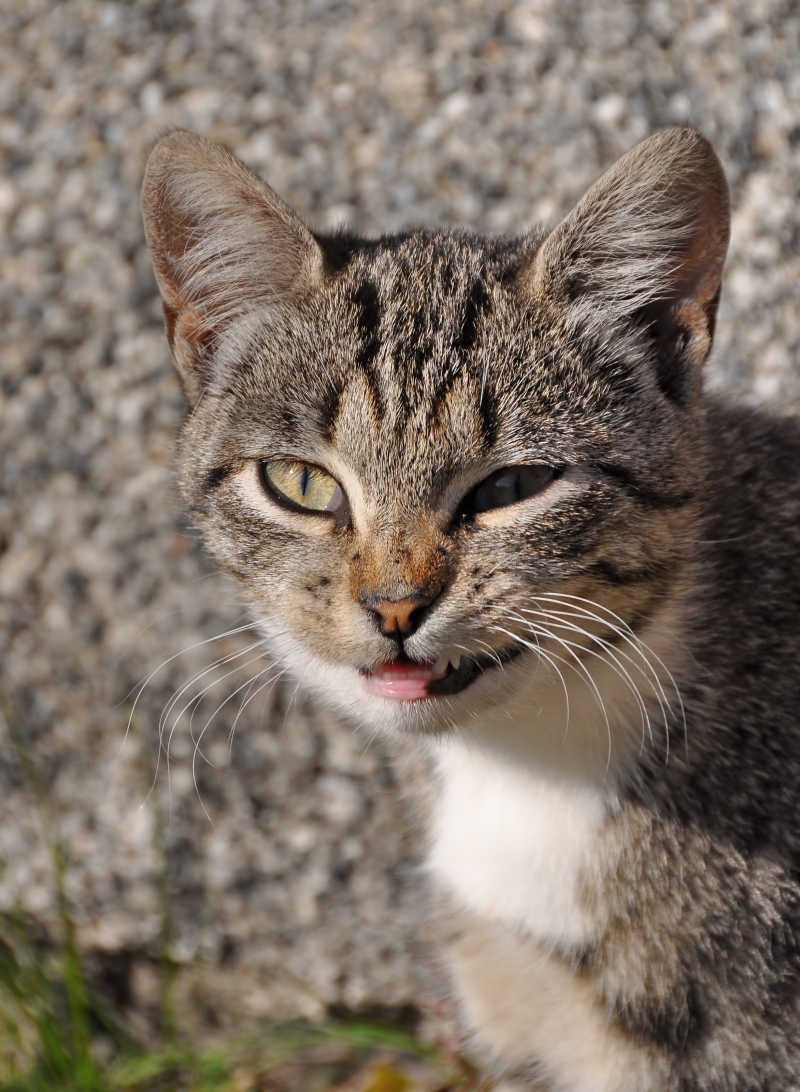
(223, 245)
(646, 245)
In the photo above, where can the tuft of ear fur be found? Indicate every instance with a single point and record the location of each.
(223, 245)
(646, 244)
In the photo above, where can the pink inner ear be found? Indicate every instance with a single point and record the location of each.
(187, 329)
(698, 270)
(694, 317)
(191, 326)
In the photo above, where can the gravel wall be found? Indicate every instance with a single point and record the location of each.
(292, 866)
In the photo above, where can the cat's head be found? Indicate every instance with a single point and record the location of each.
(435, 446)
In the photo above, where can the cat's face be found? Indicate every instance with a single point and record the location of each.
(434, 460)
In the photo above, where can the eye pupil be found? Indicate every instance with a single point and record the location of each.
(305, 478)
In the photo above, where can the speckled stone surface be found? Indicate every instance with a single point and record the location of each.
(293, 866)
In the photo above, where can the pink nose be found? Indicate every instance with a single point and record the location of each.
(400, 617)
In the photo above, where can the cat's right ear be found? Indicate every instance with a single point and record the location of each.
(223, 245)
(646, 246)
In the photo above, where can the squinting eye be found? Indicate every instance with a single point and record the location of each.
(507, 486)
(296, 484)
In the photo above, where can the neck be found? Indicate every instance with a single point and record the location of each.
(590, 719)
(526, 789)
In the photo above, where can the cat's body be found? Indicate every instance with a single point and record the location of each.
(433, 446)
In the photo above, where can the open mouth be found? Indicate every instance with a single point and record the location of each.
(407, 680)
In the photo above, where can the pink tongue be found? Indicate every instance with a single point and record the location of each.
(401, 681)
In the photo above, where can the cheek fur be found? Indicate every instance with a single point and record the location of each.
(320, 614)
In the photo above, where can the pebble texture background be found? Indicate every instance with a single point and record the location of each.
(292, 866)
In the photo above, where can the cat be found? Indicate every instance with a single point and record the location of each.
(476, 495)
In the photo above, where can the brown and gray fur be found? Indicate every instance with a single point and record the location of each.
(412, 367)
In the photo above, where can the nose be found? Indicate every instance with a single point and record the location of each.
(400, 617)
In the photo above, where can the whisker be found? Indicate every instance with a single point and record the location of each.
(249, 698)
(541, 631)
(623, 630)
(557, 620)
(173, 701)
(199, 740)
(648, 653)
(290, 703)
(245, 700)
(221, 662)
(197, 699)
(249, 682)
(490, 651)
(174, 656)
(553, 659)
(549, 658)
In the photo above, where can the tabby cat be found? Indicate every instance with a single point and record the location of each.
(475, 494)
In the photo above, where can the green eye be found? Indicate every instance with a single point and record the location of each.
(302, 485)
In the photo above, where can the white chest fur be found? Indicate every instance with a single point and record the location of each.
(511, 841)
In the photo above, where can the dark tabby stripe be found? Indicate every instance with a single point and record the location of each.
(214, 478)
(440, 396)
(642, 494)
(477, 305)
(678, 1021)
(606, 570)
(369, 317)
(487, 407)
(329, 409)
